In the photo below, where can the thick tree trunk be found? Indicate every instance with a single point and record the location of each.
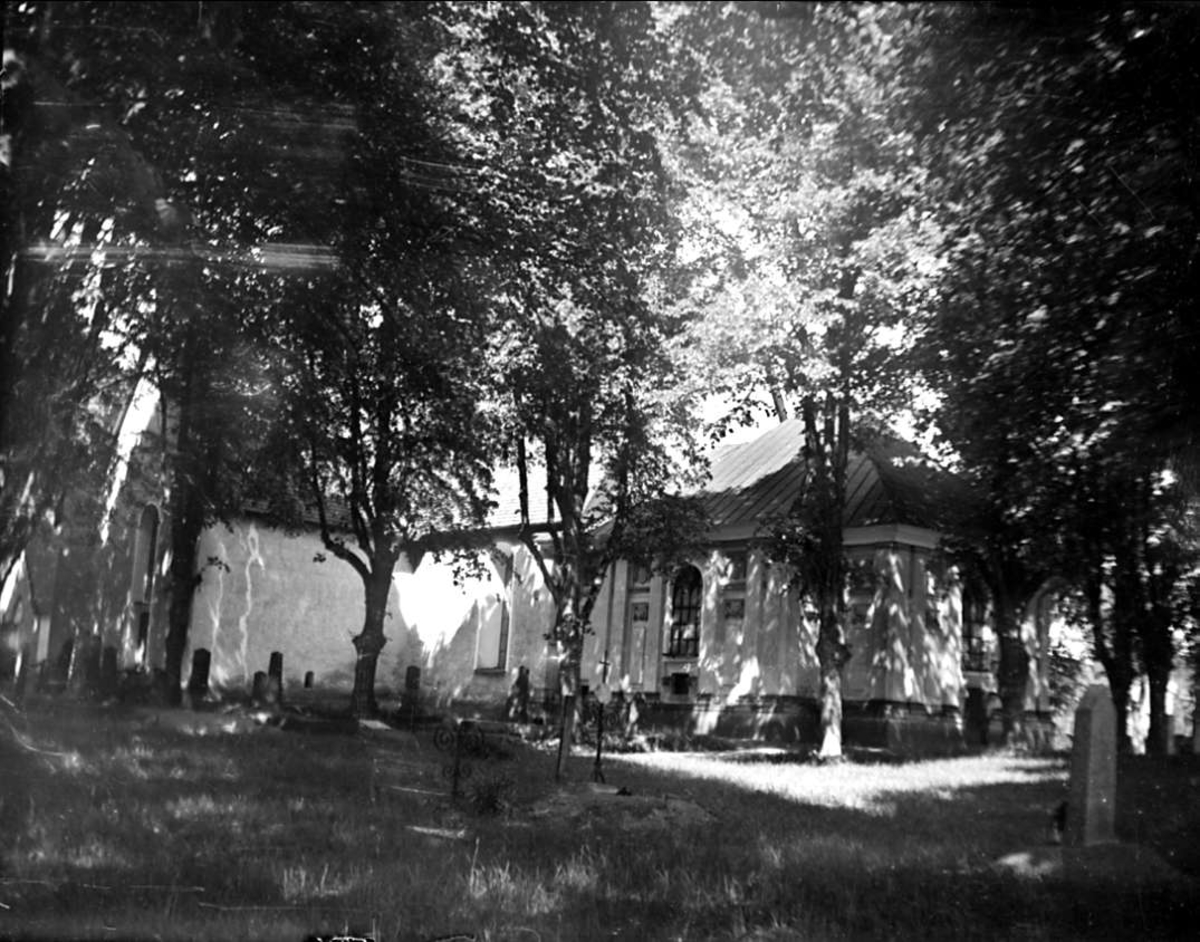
(1158, 654)
(187, 524)
(1012, 683)
(1159, 734)
(832, 654)
(1012, 678)
(369, 643)
(831, 713)
(568, 678)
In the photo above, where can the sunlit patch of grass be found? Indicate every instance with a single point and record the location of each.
(303, 881)
(851, 785)
(510, 890)
(578, 873)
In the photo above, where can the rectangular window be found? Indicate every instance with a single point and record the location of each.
(732, 610)
(737, 570)
(638, 597)
(492, 619)
(976, 655)
(683, 639)
(492, 616)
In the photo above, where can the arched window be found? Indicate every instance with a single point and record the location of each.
(686, 594)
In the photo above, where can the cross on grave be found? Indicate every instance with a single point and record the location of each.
(1092, 806)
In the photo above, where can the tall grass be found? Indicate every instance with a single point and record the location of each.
(121, 830)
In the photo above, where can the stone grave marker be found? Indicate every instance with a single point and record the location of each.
(410, 702)
(110, 673)
(1092, 805)
(197, 687)
(275, 678)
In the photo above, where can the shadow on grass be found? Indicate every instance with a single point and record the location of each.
(144, 833)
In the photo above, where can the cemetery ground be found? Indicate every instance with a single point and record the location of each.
(172, 825)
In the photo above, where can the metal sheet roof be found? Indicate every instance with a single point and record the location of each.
(886, 482)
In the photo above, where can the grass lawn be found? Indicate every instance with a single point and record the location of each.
(122, 828)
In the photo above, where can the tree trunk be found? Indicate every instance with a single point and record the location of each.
(568, 677)
(1012, 683)
(1013, 674)
(831, 713)
(1158, 736)
(187, 524)
(832, 655)
(1158, 655)
(369, 643)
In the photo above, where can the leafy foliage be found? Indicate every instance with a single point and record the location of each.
(808, 246)
(567, 99)
(1057, 161)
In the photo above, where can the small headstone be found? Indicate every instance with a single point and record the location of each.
(85, 666)
(109, 672)
(258, 689)
(308, 680)
(275, 676)
(1092, 805)
(411, 700)
(197, 687)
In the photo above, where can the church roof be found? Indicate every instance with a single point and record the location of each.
(886, 482)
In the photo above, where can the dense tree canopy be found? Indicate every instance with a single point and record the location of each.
(416, 241)
(1062, 159)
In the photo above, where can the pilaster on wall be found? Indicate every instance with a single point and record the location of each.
(892, 676)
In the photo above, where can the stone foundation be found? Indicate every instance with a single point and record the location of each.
(907, 729)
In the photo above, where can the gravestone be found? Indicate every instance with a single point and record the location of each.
(1092, 805)
(410, 702)
(84, 677)
(275, 677)
(308, 680)
(258, 689)
(197, 687)
(110, 673)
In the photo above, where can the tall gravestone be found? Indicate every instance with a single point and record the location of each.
(197, 687)
(1092, 805)
(110, 673)
(410, 702)
(275, 679)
